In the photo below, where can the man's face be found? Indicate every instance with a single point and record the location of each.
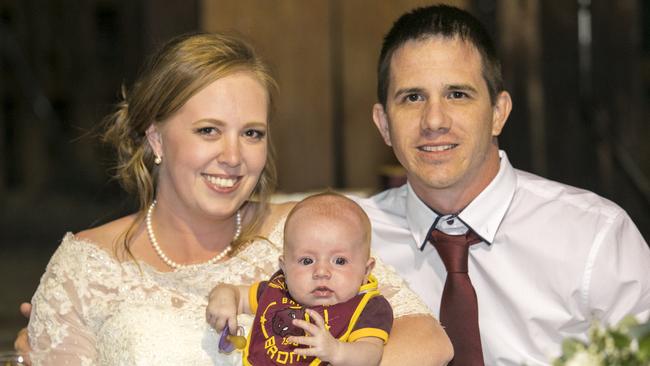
(440, 121)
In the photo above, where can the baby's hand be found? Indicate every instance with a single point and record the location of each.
(321, 343)
(222, 308)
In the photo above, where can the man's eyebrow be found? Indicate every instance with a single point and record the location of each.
(464, 87)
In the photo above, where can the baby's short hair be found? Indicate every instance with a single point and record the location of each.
(335, 206)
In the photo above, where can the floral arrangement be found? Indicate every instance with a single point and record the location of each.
(626, 344)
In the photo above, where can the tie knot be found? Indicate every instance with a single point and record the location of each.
(454, 249)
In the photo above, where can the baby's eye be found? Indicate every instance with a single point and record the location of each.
(306, 261)
(340, 261)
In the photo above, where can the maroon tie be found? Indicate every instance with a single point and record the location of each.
(459, 308)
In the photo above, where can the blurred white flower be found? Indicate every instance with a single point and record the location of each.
(584, 358)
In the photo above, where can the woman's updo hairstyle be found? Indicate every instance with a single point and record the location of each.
(181, 68)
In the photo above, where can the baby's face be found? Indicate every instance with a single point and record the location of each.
(325, 260)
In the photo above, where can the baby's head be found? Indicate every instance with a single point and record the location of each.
(326, 255)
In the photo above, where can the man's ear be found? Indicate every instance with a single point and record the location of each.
(380, 118)
(500, 112)
(155, 140)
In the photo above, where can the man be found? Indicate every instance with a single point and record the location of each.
(549, 258)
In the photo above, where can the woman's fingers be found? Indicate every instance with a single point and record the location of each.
(26, 309)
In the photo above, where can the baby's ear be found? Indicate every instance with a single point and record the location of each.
(281, 263)
(370, 264)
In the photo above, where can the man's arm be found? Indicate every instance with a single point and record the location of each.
(417, 340)
(617, 273)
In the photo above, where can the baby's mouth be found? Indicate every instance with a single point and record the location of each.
(322, 291)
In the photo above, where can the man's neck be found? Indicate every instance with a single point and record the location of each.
(453, 199)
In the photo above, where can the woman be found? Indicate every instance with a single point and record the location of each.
(192, 138)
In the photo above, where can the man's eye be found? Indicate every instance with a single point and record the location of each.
(306, 261)
(340, 261)
(457, 95)
(414, 98)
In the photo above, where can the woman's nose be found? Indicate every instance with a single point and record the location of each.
(230, 154)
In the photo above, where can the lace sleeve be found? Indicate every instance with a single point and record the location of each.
(401, 298)
(58, 332)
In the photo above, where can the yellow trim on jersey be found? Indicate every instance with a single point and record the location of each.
(253, 304)
(244, 356)
(371, 285)
(368, 332)
(369, 290)
(252, 297)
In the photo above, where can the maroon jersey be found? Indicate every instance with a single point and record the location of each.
(367, 314)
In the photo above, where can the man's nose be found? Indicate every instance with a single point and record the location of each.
(435, 118)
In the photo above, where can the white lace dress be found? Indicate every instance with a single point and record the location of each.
(90, 309)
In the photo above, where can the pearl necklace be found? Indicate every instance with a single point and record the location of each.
(174, 265)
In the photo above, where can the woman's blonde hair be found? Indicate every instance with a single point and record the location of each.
(181, 68)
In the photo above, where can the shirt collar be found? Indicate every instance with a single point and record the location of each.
(483, 215)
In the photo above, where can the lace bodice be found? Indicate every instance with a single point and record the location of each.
(90, 309)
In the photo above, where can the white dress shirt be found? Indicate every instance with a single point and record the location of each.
(553, 259)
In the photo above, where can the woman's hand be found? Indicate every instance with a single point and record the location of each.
(21, 344)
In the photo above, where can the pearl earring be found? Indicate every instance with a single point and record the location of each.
(157, 160)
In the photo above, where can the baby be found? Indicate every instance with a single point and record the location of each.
(323, 304)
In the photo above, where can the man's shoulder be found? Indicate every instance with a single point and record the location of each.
(388, 203)
(536, 188)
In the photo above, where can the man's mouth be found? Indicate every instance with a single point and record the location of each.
(437, 148)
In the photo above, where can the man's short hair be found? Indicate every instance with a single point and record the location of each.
(442, 21)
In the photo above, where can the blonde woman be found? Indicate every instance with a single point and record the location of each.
(192, 140)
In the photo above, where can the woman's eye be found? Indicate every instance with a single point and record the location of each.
(340, 261)
(255, 134)
(306, 261)
(206, 130)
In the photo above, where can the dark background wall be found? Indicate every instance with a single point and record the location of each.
(579, 73)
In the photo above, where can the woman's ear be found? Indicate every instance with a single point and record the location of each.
(155, 140)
